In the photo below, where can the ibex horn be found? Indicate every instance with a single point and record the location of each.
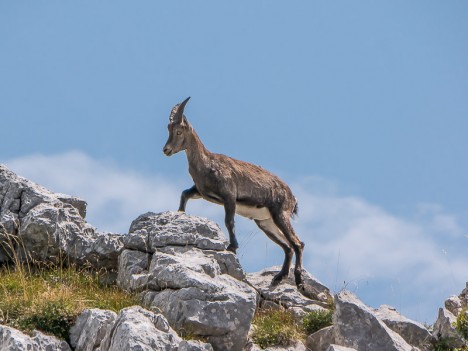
(180, 111)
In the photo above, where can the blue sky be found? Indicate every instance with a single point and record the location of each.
(362, 107)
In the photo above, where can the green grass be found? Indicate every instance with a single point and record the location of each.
(278, 327)
(49, 299)
(275, 327)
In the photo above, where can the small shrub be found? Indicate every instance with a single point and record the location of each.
(53, 317)
(275, 327)
(462, 324)
(447, 344)
(316, 320)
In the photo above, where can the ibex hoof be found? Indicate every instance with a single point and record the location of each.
(277, 279)
(232, 248)
(299, 281)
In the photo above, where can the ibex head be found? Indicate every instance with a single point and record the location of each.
(178, 128)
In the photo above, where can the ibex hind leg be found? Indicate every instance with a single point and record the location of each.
(273, 233)
(284, 224)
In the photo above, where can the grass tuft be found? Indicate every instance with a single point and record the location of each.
(274, 327)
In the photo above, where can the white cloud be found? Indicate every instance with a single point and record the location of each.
(413, 263)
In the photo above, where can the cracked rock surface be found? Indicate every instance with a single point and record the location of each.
(38, 224)
(180, 266)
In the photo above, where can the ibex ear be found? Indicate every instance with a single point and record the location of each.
(178, 116)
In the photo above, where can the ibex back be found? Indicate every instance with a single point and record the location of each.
(240, 187)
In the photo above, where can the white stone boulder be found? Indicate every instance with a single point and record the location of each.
(413, 332)
(90, 328)
(321, 339)
(355, 325)
(14, 340)
(180, 266)
(137, 329)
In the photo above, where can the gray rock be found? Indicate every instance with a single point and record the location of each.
(179, 265)
(137, 329)
(456, 304)
(339, 348)
(76, 202)
(321, 339)
(194, 345)
(220, 311)
(49, 343)
(297, 346)
(315, 295)
(444, 329)
(174, 229)
(90, 329)
(14, 340)
(133, 270)
(413, 332)
(356, 326)
(45, 226)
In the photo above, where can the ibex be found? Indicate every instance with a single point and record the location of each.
(240, 187)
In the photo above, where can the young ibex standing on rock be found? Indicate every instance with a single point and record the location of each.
(241, 188)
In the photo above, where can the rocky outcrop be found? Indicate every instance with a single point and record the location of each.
(314, 296)
(14, 340)
(43, 226)
(413, 332)
(133, 329)
(180, 266)
(456, 304)
(444, 328)
(188, 283)
(357, 326)
(360, 327)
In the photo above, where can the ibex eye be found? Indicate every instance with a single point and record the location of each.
(179, 132)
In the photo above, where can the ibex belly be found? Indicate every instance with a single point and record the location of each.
(253, 212)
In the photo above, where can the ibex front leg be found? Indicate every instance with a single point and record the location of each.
(230, 210)
(188, 194)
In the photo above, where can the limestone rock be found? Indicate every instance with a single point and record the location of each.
(50, 226)
(444, 329)
(14, 340)
(49, 343)
(315, 295)
(413, 332)
(151, 231)
(180, 266)
(90, 328)
(356, 326)
(456, 304)
(137, 329)
(194, 345)
(321, 339)
(339, 348)
(297, 346)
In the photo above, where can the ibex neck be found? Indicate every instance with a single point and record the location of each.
(197, 154)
